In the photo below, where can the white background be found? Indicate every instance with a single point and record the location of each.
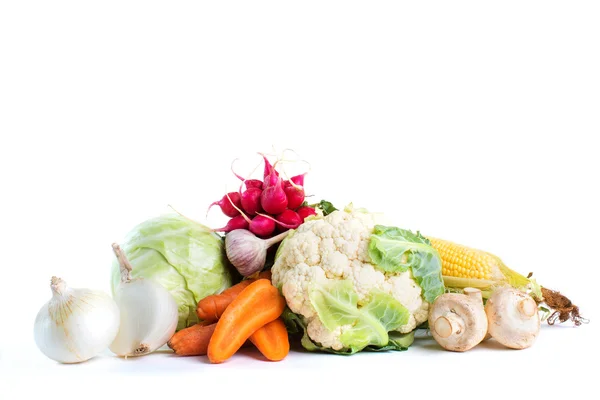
(470, 121)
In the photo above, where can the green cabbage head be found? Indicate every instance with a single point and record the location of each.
(185, 257)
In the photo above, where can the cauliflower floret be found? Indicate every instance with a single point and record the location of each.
(326, 338)
(405, 289)
(334, 248)
(366, 278)
(335, 264)
(295, 287)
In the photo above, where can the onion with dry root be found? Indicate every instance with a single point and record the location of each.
(148, 312)
(513, 318)
(458, 321)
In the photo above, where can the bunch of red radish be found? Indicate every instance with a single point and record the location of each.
(268, 206)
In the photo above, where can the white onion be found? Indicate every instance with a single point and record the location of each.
(149, 313)
(75, 324)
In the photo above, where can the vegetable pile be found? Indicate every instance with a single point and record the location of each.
(283, 272)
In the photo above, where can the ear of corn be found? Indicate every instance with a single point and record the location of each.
(463, 266)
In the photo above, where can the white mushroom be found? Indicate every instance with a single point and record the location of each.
(513, 318)
(458, 321)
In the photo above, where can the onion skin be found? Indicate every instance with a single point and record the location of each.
(149, 313)
(75, 324)
(149, 316)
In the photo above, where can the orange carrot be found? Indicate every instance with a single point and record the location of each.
(257, 305)
(212, 307)
(262, 275)
(272, 340)
(192, 341)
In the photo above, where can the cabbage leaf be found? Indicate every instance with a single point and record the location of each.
(185, 257)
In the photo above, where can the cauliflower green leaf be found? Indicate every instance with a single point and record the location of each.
(325, 206)
(296, 325)
(400, 340)
(337, 305)
(396, 250)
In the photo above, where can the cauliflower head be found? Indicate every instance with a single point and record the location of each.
(352, 285)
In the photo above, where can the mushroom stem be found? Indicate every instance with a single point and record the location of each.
(449, 324)
(473, 293)
(458, 321)
(527, 307)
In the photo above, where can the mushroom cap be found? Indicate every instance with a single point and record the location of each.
(470, 315)
(513, 319)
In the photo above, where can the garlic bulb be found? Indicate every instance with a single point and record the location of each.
(149, 313)
(75, 324)
(248, 253)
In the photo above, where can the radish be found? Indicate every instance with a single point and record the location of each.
(249, 182)
(230, 204)
(272, 180)
(295, 196)
(262, 226)
(288, 220)
(294, 191)
(250, 200)
(269, 169)
(305, 212)
(273, 198)
(253, 183)
(238, 222)
(298, 179)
